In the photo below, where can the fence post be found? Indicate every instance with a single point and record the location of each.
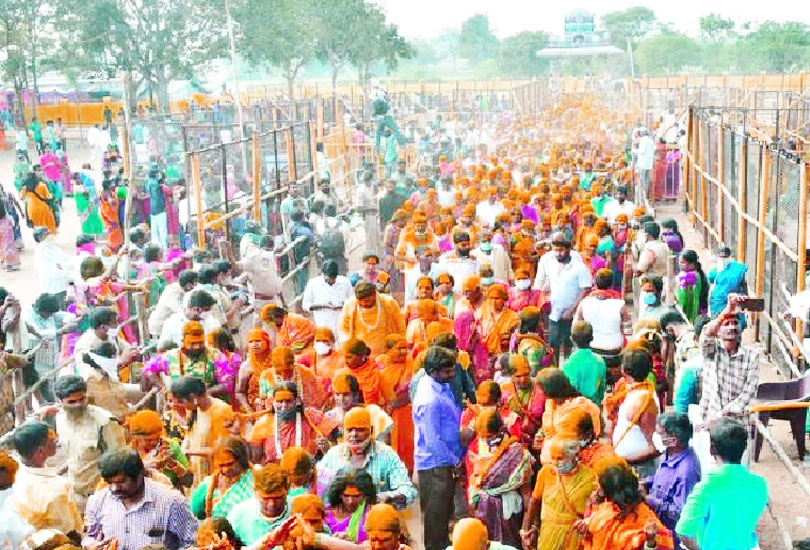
(721, 225)
(801, 252)
(288, 142)
(257, 179)
(741, 199)
(764, 190)
(704, 212)
(195, 178)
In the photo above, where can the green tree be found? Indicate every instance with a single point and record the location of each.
(633, 23)
(716, 28)
(27, 33)
(477, 42)
(448, 45)
(518, 54)
(340, 28)
(156, 40)
(382, 43)
(777, 47)
(667, 52)
(280, 35)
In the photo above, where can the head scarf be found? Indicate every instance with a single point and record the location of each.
(471, 283)
(497, 290)
(358, 417)
(309, 506)
(145, 422)
(282, 357)
(8, 464)
(324, 333)
(519, 365)
(470, 534)
(296, 461)
(193, 333)
(383, 517)
(488, 423)
(487, 393)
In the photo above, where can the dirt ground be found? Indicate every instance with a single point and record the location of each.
(789, 502)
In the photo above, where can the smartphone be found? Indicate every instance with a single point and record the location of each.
(752, 304)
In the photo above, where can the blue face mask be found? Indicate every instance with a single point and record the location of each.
(650, 299)
(487, 280)
(486, 246)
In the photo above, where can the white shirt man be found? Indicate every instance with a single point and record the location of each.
(646, 152)
(173, 328)
(615, 207)
(487, 212)
(325, 300)
(53, 265)
(169, 303)
(562, 281)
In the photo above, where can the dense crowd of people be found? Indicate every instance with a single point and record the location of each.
(497, 340)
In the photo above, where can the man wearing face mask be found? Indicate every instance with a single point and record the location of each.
(324, 360)
(292, 424)
(730, 371)
(86, 432)
(360, 451)
(102, 321)
(522, 295)
(459, 263)
(488, 253)
(652, 306)
(726, 277)
(326, 295)
(438, 451)
(494, 488)
(198, 304)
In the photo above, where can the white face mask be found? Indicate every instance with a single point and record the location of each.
(722, 263)
(523, 284)
(322, 348)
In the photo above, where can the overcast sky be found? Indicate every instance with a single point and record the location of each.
(426, 18)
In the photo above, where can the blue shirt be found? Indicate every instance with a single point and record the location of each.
(673, 481)
(723, 509)
(436, 419)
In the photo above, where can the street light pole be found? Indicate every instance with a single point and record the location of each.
(236, 89)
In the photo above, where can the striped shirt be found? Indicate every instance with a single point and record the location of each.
(383, 464)
(161, 517)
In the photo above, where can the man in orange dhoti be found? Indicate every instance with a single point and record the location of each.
(396, 371)
(324, 359)
(370, 317)
(292, 330)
